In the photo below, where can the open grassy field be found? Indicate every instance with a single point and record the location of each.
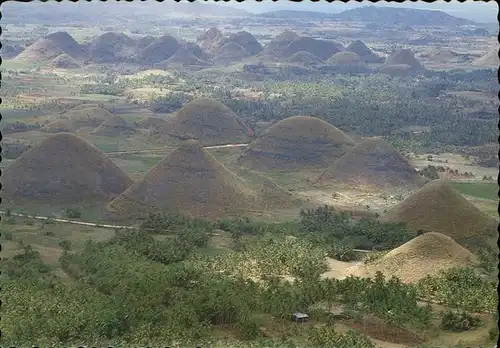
(484, 190)
(483, 195)
(45, 236)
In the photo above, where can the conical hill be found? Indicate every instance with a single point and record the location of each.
(403, 57)
(63, 169)
(78, 117)
(63, 61)
(296, 142)
(209, 121)
(114, 126)
(364, 52)
(489, 60)
(427, 254)
(189, 181)
(373, 162)
(438, 207)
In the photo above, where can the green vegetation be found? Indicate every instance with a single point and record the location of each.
(484, 190)
(461, 288)
(459, 321)
(325, 226)
(170, 291)
(73, 213)
(355, 104)
(327, 337)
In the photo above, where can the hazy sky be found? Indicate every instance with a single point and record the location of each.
(475, 10)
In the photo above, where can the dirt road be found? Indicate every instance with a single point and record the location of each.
(161, 149)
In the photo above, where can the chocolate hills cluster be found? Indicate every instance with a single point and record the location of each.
(437, 207)
(296, 142)
(208, 121)
(297, 49)
(63, 169)
(373, 162)
(237, 46)
(60, 51)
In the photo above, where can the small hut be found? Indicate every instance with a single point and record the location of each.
(300, 317)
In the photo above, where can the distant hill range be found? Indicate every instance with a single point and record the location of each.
(385, 15)
(52, 11)
(294, 14)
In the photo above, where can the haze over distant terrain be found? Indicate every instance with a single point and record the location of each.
(477, 11)
(473, 10)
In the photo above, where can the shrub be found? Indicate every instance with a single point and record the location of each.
(10, 221)
(49, 221)
(493, 333)
(342, 252)
(73, 213)
(327, 337)
(459, 321)
(374, 256)
(7, 235)
(65, 244)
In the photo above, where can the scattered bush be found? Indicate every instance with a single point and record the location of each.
(49, 221)
(65, 244)
(73, 213)
(459, 321)
(374, 256)
(430, 172)
(10, 221)
(7, 235)
(342, 252)
(47, 233)
(327, 337)
(460, 288)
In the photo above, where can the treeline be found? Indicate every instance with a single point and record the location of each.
(376, 105)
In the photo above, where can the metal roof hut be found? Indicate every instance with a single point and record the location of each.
(300, 317)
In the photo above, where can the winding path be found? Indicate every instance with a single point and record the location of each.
(95, 224)
(66, 221)
(161, 149)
